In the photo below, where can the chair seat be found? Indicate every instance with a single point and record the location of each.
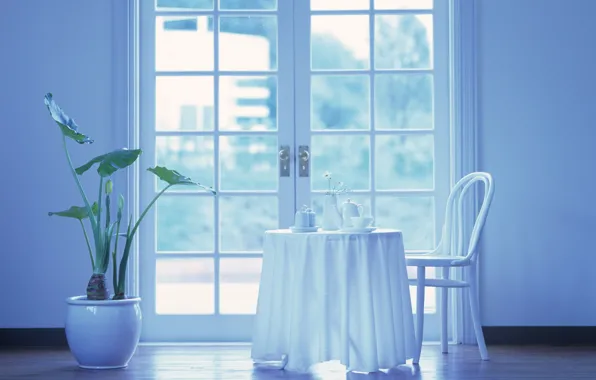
(440, 283)
(430, 260)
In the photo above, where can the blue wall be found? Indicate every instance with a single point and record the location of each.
(537, 136)
(64, 47)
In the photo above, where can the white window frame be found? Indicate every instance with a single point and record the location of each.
(125, 105)
(463, 119)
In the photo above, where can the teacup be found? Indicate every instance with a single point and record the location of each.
(362, 221)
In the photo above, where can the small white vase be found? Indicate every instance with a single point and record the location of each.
(331, 216)
(103, 334)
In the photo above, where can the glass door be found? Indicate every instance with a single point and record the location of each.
(216, 105)
(372, 108)
(234, 92)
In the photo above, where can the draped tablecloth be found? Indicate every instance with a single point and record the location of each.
(334, 296)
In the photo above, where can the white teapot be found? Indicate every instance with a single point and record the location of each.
(348, 210)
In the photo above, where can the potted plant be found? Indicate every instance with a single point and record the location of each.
(103, 331)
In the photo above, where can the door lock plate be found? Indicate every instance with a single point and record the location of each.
(303, 161)
(284, 161)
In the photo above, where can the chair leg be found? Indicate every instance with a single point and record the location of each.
(420, 287)
(475, 310)
(444, 309)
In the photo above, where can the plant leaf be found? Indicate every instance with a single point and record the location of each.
(66, 123)
(111, 162)
(172, 177)
(76, 212)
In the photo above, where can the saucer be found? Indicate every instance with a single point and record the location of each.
(304, 229)
(364, 230)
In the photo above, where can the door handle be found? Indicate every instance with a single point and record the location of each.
(303, 161)
(284, 160)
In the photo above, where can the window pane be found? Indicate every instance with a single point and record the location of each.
(183, 43)
(404, 101)
(340, 102)
(404, 162)
(244, 220)
(184, 103)
(340, 42)
(346, 156)
(413, 215)
(403, 41)
(185, 223)
(248, 4)
(430, 295)
(239, 285)
(184, 286)
(338, 4)
(248, 103)
(403, 4)
(191, 156)
(170, 5)
(429, 273)
(248, 162)
(248, 43)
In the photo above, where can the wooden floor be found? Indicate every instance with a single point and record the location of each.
(233, 362)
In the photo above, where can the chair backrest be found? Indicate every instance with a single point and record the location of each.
(453, 241)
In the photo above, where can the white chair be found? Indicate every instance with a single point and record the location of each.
(451, 253)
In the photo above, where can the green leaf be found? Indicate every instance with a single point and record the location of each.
(66, 123)
(111, 162)
(172, 177)
(76, 212)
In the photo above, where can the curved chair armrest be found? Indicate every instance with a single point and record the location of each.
(461, 262)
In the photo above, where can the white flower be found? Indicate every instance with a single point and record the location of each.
(327, 175)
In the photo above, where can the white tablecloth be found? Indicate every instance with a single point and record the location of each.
(334, 296)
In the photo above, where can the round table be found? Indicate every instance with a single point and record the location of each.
(333, 295)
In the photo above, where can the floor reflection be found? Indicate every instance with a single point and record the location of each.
(333, 370)
(232, 362)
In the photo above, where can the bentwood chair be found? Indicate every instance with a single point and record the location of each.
(454, 251)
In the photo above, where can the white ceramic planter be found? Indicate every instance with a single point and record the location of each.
(103, 334)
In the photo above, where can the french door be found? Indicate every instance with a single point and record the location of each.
(258, 98)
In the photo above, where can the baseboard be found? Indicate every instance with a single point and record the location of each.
(33, 337)
(494, 335)
(540, 335)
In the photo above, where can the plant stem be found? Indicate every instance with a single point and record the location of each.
(76, 178)
(108, 205)
(99, 202)
(123, 264)
(115, 253)
(134, 229)
(88, 245)
(119, 294)
(99, 246)
(114, 270)
(129, 238)
(107, 234)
